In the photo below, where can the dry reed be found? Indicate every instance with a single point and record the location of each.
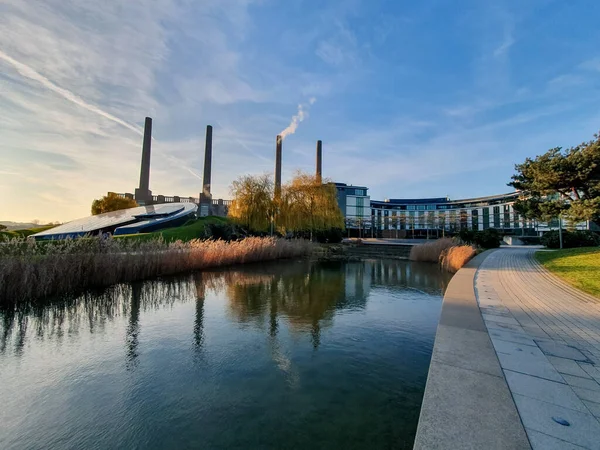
(30, 270)
(453, 258)
(430, 251)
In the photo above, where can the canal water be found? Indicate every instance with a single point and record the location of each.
(286, 355)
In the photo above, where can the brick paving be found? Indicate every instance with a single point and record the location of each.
(547, 338)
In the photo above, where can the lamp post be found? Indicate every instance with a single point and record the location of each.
(560, 236)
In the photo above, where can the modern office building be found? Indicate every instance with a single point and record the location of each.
(423, 217)
(355, 204)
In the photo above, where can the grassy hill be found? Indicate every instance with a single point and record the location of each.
(193, 229)
(6, 234)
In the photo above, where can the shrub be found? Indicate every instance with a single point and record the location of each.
(453, 258)
(529, 240)
(489, 238)
(430, 251)
(467, 236)
(331, 236)
(218, 230)
(571, 239)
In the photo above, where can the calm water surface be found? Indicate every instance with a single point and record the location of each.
(291, 355)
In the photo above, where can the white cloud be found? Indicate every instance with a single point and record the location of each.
(591, 64)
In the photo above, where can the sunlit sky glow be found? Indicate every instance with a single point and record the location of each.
(412, 99)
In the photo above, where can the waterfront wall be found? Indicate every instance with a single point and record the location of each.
(467, 403)
(363, 251)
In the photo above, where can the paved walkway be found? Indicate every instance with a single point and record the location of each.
(547, 339)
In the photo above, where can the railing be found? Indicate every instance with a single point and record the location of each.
(175, 199)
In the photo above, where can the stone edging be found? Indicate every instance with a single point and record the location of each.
(467, 403)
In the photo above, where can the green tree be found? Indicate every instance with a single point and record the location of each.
(111, 202)
(430, 221)
(3, 227)
(441, 217)
(253, 204)
(561, 182)
(308, 204)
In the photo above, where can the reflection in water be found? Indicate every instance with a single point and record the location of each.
(133, 328)
(305, 293)
(284, 355)
(199, 317)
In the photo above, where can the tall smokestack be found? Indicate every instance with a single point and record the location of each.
(207, 164)
(278, 166)
(143, 195)
(319, 160)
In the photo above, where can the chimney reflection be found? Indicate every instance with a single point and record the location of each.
(199, 317)
(133, 328)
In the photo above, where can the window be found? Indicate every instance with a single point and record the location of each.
(486, 218)
(496, 217)
(475, 220)
(360, 203)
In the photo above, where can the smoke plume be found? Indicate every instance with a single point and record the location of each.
(299, 117)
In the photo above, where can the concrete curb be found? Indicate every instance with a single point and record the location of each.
(467, 403)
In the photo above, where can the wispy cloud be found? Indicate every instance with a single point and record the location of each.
(507, 42)
(592, 64)
(30, 73)
(404, 111)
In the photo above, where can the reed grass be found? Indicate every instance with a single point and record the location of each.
(453, 258)
(448, 253)
(430, 251)
(31, 271)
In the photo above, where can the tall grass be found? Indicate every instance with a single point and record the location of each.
(453, 258)
(430, 251)
(445, 251)
(30, 270)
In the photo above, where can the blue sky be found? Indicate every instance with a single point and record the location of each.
(411, 99)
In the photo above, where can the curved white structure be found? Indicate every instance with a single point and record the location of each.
(141, 219)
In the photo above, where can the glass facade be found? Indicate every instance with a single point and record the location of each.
(486, 218)
(442, 214)
(496, 217)
(475, 219)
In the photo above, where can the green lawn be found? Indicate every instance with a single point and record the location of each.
(23, 233)
(193, 229)
(579, 267)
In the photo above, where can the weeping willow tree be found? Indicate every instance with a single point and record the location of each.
(252, 205)
(305, 204)
(308, 204)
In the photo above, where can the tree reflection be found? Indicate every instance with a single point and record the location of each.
(305, 294)
(301, 296)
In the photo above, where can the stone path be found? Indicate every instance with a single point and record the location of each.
(547, 338)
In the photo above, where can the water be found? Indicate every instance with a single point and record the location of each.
(288, 355)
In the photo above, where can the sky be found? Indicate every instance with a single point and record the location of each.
(411, 99)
